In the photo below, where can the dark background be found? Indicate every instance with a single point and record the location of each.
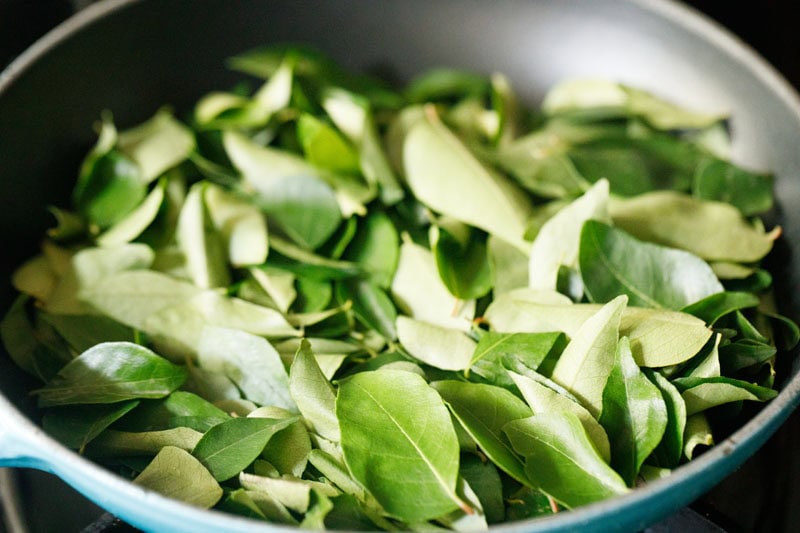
(765, 494)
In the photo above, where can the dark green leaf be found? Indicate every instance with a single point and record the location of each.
(715, 306)
(460, 254)
(228, 448)
(376, 248)
(371, 305)
(703, 393)
(76, 426)
(444, 83)
(612, 263)
(670, 450)
(716, 179)
(561, 460)
(634, 414)
(179, 409)
(306, 264)
(484, 479)
(112, 372)
(112, 188)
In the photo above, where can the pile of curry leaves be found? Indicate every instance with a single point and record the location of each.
(333, 304)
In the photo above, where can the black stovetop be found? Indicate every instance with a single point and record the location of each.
(763, 495)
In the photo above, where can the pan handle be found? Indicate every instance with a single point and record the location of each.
(21, 442)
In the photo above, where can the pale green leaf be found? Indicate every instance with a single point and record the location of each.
(176, 474)
(448, 349)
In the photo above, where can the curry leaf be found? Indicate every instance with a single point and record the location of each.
(77, 426)
(461, 259)
(176, 474)
(613, 263)
(399, 443)
(720, 180)
(634, 414)
(483, 410)
(703, 393)
(112, 372)
(561, 461)
(313, 393)
(228, 448)
(448, 349)
(588, 359)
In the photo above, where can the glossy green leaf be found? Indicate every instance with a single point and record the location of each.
(76, 426)
(249, 361)
(634, 414)
(112, 187)
(483, 411)
(704, 393)
(325, 147)
(301, 262)
(399, 443)
(136, 221)
(287, 451)
(437, 164)
(588, 359)
(714, 307)
(228, 448)
(176, 474)
(112, 372)
(461, 258)
(670, 450)
(543, 399)
(312, 392)
(711, 230)
(561, 461)
(612, 263)
(529, 348)
(722, 181)
(448, 349)
(179, 409)
(371, 306)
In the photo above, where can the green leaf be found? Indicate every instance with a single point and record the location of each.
(324, 147)
(588, 359)
(179, 409)
(399, 443)
(376, 248)
(288, 449)
(461, 258)
(76, 426)
(716, 306)
(136, 221)
(420, 293)
(509, 266)
(111, 188)
(371, 305)
(530, 348)
(558, 242)
(698, 433)
(437, 164)
(658, 338)
(612, 263)
(304, 207)
(722, 181)
(241, 225)
(485, 481)
(113, 444)
(634, 414)
(483, 411)
(312, 392)
(176, 474)
(157, 145)
(445, 83)
(448, 349)
(543, 399)
(714, 231)
(561, 461)
(200, 242)
(299, 261)
(670, 450)
(228, 448)
(112, 372)
(295, 494)
(704, 393)
(248, 360)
